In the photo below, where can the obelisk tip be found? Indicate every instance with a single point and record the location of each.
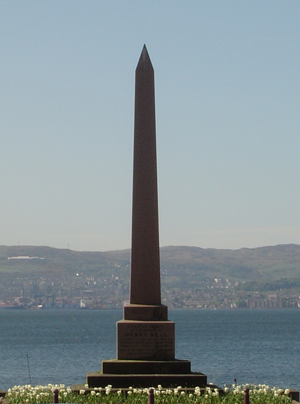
(144, 58)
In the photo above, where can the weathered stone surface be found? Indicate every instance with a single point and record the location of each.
(142, 380)
(145, 264)
(146, 340)
(141, 312)
(115, 366)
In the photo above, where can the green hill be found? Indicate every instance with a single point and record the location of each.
(180, 266)
(190, 277)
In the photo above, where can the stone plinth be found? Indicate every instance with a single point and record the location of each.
(115, 366)
(142, 312)
(146, 380)
(146, 340)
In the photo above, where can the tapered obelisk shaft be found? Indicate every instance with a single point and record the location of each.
(145, 265)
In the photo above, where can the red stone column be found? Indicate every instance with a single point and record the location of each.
(145, 262)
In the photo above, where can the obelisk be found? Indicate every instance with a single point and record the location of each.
(145, 336)
(145, 265)
(145, 295)
(145, 332)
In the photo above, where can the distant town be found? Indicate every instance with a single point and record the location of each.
(191, 278)
(89, 292)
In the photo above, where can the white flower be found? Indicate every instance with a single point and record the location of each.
(287, 392)
(93, 392)
(81, 391)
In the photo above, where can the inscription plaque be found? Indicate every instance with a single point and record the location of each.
(151, 340)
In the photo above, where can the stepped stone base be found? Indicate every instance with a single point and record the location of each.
(138, 373)
(77, 387)
(118, 367)
(148, 380)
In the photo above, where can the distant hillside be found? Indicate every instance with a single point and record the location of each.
(265, 263)
(242, 264)
(191, 277)
(179, 265)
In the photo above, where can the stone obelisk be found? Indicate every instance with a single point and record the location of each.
(145, 314)
(145, 264)
(145, 298)
(145, 336)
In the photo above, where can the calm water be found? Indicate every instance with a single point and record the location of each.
(252, 346)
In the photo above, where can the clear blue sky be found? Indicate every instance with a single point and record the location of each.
(227, 76)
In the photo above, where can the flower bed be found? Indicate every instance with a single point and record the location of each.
(260, 394)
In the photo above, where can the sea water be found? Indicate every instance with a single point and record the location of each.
(61, 346)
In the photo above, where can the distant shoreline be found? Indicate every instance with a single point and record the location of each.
(19, 308)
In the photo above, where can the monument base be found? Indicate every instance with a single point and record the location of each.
(146, 340)
(136, 373)
(149, 380)
(121, 367)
